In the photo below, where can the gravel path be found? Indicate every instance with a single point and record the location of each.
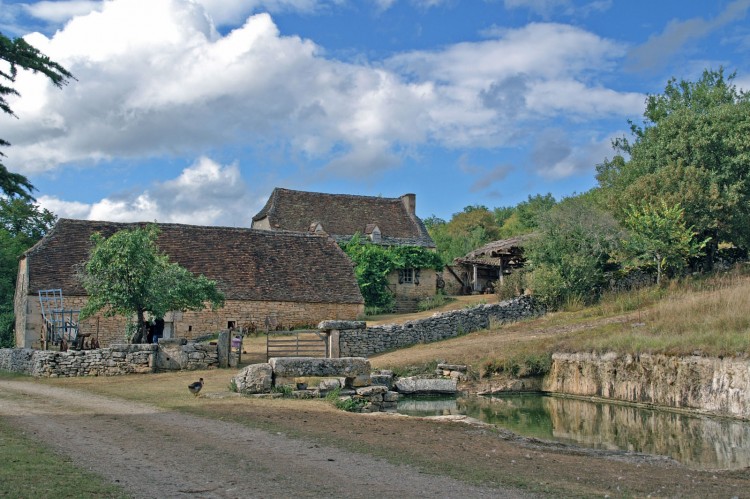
(157, 453)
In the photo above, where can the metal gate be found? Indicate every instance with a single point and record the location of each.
(302, 343)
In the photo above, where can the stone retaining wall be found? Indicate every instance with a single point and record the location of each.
(111, 361)
(708, 385)
(355, 340)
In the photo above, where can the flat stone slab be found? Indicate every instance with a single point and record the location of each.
(339, 325)
(347, 367)
(415, 385)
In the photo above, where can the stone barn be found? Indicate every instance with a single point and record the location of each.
(480, 269)
(279, 279)
(384, 221)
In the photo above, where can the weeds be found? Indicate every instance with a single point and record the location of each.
(434, 302)
(520, 365)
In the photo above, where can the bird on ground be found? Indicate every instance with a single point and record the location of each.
(195, 388)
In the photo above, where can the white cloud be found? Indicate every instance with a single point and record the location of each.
(170, 84)
(205, 193)
(660, 48)
(546, 8)
(743, 83)
(61, 11)
(554, 155)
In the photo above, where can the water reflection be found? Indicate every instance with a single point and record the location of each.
(699, 442)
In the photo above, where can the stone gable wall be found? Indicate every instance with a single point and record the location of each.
(364, 342)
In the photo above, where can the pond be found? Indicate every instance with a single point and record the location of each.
(696, 441)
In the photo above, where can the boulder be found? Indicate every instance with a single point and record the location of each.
(255, 378)
(382, 378)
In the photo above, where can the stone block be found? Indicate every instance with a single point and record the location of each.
(415, 385)
(255, 378)
(348, 367)
(369, 391)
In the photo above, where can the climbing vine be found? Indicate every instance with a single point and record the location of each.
(373, 263)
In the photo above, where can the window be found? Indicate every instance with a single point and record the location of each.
(408, 276)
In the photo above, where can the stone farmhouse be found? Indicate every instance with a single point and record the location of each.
(268, 278)
(385, 221)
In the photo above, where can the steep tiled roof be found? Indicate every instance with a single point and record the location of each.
(247, 264)
(343, 215)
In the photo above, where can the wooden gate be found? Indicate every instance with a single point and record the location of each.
(302, 343)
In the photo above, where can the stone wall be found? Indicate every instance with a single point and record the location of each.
(709, 385)
(111, 361)
(188, 325)
(364, 342)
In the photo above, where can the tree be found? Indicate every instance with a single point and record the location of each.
(21, 225)
(17, 53)
(524, 217)
(126, 274)
(693, 148)
(467, 230)
(569, 256)
(659, 234)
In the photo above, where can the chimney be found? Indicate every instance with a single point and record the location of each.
(410, 202)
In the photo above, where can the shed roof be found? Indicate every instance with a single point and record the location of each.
(494, 252)
(247, 264)
(343, 215)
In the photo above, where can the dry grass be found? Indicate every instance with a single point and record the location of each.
(703, 316)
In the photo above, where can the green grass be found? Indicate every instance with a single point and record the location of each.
(30, 470)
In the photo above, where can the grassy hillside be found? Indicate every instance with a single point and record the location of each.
(696, 315)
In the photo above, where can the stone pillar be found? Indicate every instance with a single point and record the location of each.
(333, 330)
(222, 349)
(332, 341)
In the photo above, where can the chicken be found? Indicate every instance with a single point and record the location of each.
(195, 388)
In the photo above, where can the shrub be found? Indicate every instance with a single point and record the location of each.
(436, 301)
(511, 286)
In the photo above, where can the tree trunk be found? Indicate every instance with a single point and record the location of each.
(141, 333)
(658, 269)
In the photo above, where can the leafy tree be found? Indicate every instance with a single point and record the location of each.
(570, 255)
(467, 230)
(21, 225)
(524, 217)
(373, 263)
(659, 234)
(17, 53)
(128, 275)
(693, 148)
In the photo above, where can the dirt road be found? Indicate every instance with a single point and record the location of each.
(157, 453)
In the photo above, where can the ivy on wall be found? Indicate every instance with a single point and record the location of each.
(373, 263)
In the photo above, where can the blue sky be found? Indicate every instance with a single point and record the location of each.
(192, 111)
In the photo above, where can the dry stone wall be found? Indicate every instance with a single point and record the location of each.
(111, 361)
(360, 341)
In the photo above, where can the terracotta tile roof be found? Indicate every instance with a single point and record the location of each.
(343, 215)
(247, 264)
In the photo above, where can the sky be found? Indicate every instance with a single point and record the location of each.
(192, 111)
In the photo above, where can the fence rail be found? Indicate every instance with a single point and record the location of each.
(303, 343)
